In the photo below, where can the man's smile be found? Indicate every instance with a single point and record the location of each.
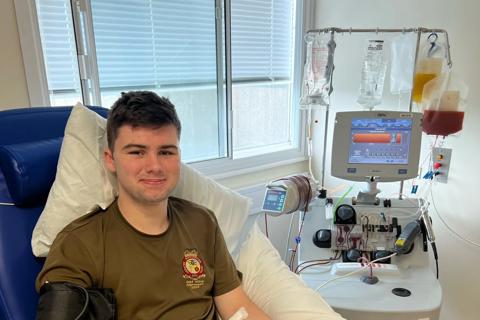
(153, 181)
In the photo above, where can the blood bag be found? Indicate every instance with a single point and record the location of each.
(443, 103)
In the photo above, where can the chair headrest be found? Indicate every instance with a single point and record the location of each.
(29, 169)
(30, 140)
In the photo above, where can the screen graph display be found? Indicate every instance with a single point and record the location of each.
(380, 141)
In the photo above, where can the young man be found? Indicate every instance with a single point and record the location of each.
(164, 258)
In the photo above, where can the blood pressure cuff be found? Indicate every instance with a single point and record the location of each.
(67, 301)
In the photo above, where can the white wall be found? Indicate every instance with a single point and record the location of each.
(13, 85)
(455, 201)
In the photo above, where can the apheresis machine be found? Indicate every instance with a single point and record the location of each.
(368, 256)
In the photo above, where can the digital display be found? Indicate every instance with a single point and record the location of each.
(380, 141)
(274, 200)
(272, 197)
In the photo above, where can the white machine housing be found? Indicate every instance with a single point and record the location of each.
(357, 300)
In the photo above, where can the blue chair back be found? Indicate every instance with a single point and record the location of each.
(18, 266)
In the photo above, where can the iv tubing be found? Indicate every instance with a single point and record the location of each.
(353, 272)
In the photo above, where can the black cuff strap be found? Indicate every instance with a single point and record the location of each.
(68, 301)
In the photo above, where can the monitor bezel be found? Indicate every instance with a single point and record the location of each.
(340, 167)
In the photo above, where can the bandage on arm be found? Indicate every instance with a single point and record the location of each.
(241, 314)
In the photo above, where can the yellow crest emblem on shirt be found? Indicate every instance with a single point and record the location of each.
(193, 269)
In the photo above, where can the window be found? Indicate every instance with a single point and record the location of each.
(226, 65)
(262, 37)
(59, 52)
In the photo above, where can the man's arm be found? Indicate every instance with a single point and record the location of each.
(68, 261)
(229, 303)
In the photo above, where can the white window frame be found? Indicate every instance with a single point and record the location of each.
(30, 43)
(218, 168)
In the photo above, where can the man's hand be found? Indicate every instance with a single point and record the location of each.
(227, 304)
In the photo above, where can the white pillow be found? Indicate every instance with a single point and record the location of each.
(230, 208)
(83, 183)
(273, 287)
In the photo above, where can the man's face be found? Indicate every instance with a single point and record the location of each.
(147, 163)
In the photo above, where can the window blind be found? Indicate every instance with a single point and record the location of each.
(262, 39)
(58, 43)
(154, 43)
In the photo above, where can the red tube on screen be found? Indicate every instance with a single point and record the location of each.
(398, 138)
(372, 137)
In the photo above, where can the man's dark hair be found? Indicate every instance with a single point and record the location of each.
(140, 109)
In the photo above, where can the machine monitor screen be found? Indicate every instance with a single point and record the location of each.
(381, 144)
(380, 141)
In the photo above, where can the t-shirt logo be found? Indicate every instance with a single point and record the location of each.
(193, 269)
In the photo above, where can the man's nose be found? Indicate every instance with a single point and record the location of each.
(153, 163)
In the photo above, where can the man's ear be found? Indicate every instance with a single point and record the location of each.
(108, 159)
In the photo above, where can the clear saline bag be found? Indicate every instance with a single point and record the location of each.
(402, 61)
(318, 70)
(373, 75)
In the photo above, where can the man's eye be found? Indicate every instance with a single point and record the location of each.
(136, 152)
(166, 153)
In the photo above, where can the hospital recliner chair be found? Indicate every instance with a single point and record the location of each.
(30, 142)
(32, 129)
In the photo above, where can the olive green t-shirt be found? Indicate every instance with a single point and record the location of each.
(174, 275)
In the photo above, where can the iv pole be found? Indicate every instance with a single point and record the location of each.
(419, 31)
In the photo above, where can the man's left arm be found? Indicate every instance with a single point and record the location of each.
(229, 303)
(228, 293)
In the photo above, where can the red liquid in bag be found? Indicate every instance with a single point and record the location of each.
(442, 123)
